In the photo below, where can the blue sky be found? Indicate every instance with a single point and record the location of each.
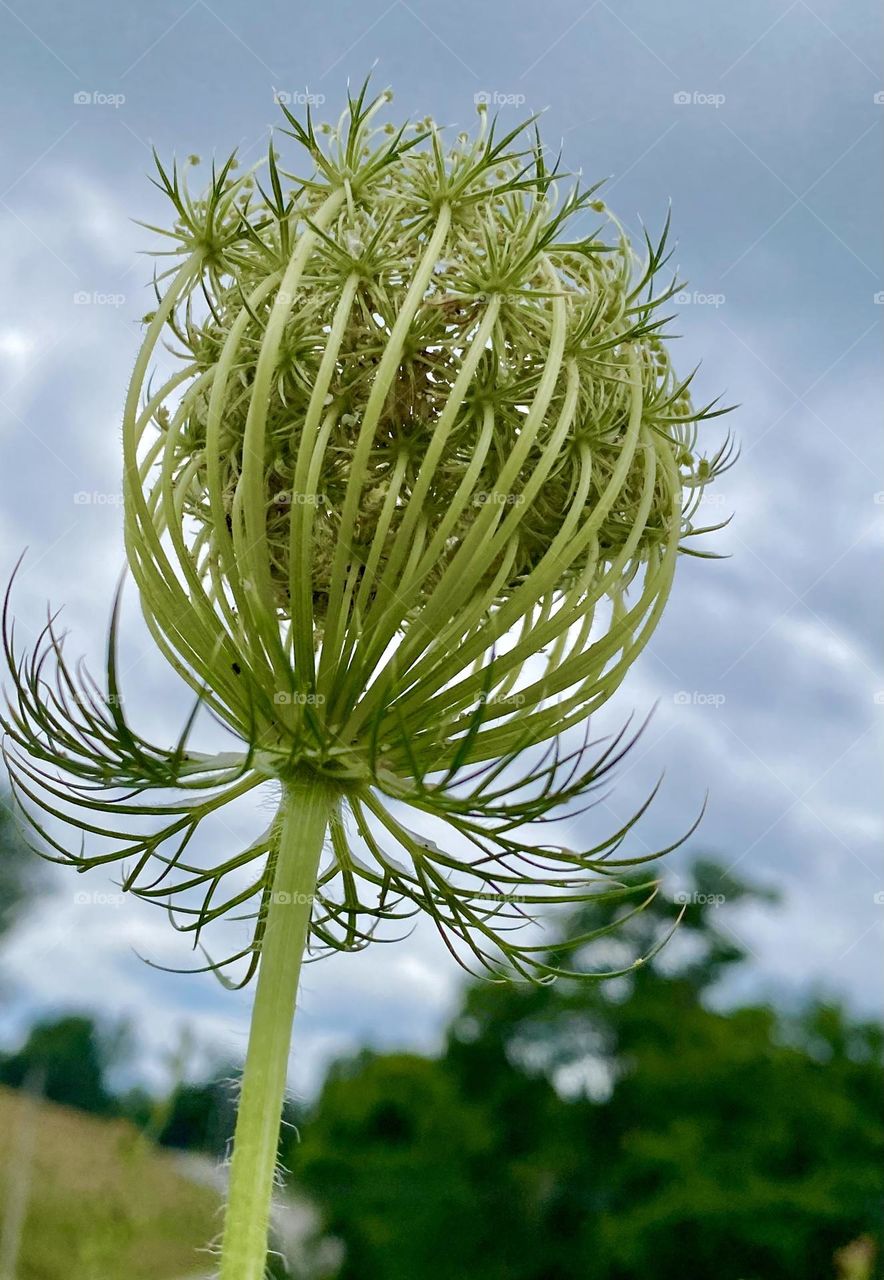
(761, 123)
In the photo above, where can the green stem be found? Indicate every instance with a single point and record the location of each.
(305, 809)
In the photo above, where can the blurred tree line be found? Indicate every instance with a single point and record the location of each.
(19, 869)
(579, 1131)
(609, 1131)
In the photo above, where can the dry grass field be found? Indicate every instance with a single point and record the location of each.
(86, 1199)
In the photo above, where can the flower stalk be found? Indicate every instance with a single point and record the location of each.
(304, 816)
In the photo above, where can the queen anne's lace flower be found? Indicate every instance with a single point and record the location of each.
(410, 507)
(404, 516)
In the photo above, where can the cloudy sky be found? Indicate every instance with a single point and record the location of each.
(761, 123)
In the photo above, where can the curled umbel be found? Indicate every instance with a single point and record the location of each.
(402, 515)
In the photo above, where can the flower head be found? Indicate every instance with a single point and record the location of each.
(405, 515)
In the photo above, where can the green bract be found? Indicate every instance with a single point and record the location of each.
(407, 512)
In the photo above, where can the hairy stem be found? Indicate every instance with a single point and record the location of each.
(306, 807)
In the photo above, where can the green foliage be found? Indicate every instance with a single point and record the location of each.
(395, 1141)
(610, 1130)
(200, 1116)
(18, 868)
(68, 1059)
